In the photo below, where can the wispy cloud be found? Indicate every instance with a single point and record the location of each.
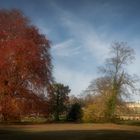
(87, 36)
(65, 48)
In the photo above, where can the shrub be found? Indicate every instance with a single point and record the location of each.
(75, 113)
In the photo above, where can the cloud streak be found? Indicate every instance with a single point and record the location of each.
(65, 49)
(87, 36)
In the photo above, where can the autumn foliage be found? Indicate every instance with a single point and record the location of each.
(25, 66)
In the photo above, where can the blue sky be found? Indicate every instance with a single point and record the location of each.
(81, 32)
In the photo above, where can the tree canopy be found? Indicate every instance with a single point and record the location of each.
(25, 64)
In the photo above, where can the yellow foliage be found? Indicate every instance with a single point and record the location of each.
(94, 112)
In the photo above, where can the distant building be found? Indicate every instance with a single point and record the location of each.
(134, 106)
(133, 113)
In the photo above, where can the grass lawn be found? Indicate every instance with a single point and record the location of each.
(69, 132)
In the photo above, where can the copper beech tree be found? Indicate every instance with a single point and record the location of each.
(25, 66)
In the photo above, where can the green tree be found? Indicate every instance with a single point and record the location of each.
(59, 99)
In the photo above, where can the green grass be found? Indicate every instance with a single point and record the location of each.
(69, 132)
(129, 122)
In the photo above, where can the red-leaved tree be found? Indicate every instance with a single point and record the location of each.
(25, 66)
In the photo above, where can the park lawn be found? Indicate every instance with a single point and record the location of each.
(69, 132)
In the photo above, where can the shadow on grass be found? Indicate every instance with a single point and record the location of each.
(69, 135)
